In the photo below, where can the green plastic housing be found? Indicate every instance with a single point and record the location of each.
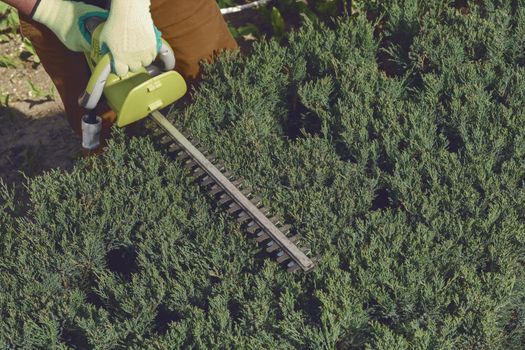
(136, 95)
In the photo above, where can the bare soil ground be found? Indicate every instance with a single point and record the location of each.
(34, 134)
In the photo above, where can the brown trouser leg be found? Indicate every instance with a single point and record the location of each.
(195, 30)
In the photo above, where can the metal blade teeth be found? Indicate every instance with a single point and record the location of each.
(224, 199)
(220, 165)
(295, 238)
(275, 219)
(165, 140)
(182, 156)
(261, 236)
(157, 132)
(207, 180)
(194, 141)
(256, 200)
(237, 183)
(174, 147)
(212, 157)
(190, 164)
(198, 172)
(253, 229)
(306, 250)
(285, 229)
(233, 207)
(282, 256)
(242, 217)
(215, 189)
(271, 246)
(292, 267)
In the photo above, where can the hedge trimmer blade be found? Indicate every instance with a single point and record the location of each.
(143, 93)
(240, 203)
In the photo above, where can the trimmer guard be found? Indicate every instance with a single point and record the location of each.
(135, 97)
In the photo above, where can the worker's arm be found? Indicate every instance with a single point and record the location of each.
(61, 16)
(23, 6)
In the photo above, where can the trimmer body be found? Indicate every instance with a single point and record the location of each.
(132, 97)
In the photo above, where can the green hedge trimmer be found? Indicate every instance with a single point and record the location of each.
(144, 93)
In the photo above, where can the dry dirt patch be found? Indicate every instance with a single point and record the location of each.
(34, 134)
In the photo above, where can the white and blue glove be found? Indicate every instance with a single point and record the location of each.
(130, 35)
(62, 18)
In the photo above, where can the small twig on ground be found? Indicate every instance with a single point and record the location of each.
(240, 8)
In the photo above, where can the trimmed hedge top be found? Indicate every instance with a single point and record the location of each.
(395, 144)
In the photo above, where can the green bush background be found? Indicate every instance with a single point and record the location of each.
(392, 140)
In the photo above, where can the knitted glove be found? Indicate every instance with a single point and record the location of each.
(129, 35)
(62, 18)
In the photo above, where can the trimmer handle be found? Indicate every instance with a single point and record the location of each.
(102, 70)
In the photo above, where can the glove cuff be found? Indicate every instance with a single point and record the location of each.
(32, 14)
(123, 6)
(47, 12)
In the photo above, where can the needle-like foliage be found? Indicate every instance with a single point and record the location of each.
(393, 141)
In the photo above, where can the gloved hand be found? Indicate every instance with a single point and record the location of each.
(62, 17)
(129, 35)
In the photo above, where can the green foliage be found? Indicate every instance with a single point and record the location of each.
(8, 20)
(280, 16)
(277, 18)
(8, 62)
(393, 142)
(9, 29)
